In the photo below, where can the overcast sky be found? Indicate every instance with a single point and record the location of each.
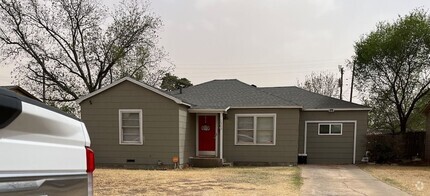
(264, 42)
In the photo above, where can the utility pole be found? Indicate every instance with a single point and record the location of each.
(341, 81)
(352, 81)
(43, 91)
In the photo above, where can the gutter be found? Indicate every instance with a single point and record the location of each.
(336, 109)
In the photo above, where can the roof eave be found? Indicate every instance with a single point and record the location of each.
(266, 107)
(208, 110)
(176, 100)
(336, 109)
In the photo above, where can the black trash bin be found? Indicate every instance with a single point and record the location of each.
(303, 159)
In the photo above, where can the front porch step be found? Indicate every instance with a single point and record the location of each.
(206, 162)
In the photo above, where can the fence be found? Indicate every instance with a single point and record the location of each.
(396, 148)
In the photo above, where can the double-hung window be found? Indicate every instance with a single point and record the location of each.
(255, 129)
(130, 126)
(330, 129)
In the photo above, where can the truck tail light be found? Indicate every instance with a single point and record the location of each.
(91, 165)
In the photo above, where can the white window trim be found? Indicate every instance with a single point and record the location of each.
(140, 142)
(255, 129)
(330, 125)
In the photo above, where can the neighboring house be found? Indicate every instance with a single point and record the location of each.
(132, 123)
(20, 91)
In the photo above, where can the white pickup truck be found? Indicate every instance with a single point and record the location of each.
(43, 151)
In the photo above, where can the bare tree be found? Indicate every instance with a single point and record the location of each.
(143, 64)
(323, 83)
(73, 46)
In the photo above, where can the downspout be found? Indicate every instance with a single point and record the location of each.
(221, 128)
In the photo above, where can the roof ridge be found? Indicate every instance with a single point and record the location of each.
(224, 79)
(202, 83)
(238, 86)
(278, 87)
(306, 91)
(328, 96)
(214, 80)
(321, 95)
(190, 87)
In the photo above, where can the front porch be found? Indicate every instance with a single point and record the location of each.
(209, 142)
(205, 162)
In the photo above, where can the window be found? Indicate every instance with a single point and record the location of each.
(330, 129)
(130, 127)
(255, 129)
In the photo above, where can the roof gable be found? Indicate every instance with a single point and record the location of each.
(148, 87)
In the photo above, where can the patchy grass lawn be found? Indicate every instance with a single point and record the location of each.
(412, 179)
(199, 181)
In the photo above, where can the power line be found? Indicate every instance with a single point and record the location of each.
(317, 61)
(266, 71)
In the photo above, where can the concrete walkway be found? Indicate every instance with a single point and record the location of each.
(342, 180)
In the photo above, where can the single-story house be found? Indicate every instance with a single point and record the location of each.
(130, 122)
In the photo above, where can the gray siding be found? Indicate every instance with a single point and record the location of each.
(160, 125)
(285, 150)
(187, 135)
(328, 143)
(330, 148)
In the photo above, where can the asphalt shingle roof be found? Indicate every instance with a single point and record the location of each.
(220, 94)
(309, 100)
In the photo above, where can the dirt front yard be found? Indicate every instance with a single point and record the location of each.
(199, 181)
(412, 179)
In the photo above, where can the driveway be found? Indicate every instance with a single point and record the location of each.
(342, 180)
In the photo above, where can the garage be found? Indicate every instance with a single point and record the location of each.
(330, 142)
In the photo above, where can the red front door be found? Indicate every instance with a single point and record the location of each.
(207, 135)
